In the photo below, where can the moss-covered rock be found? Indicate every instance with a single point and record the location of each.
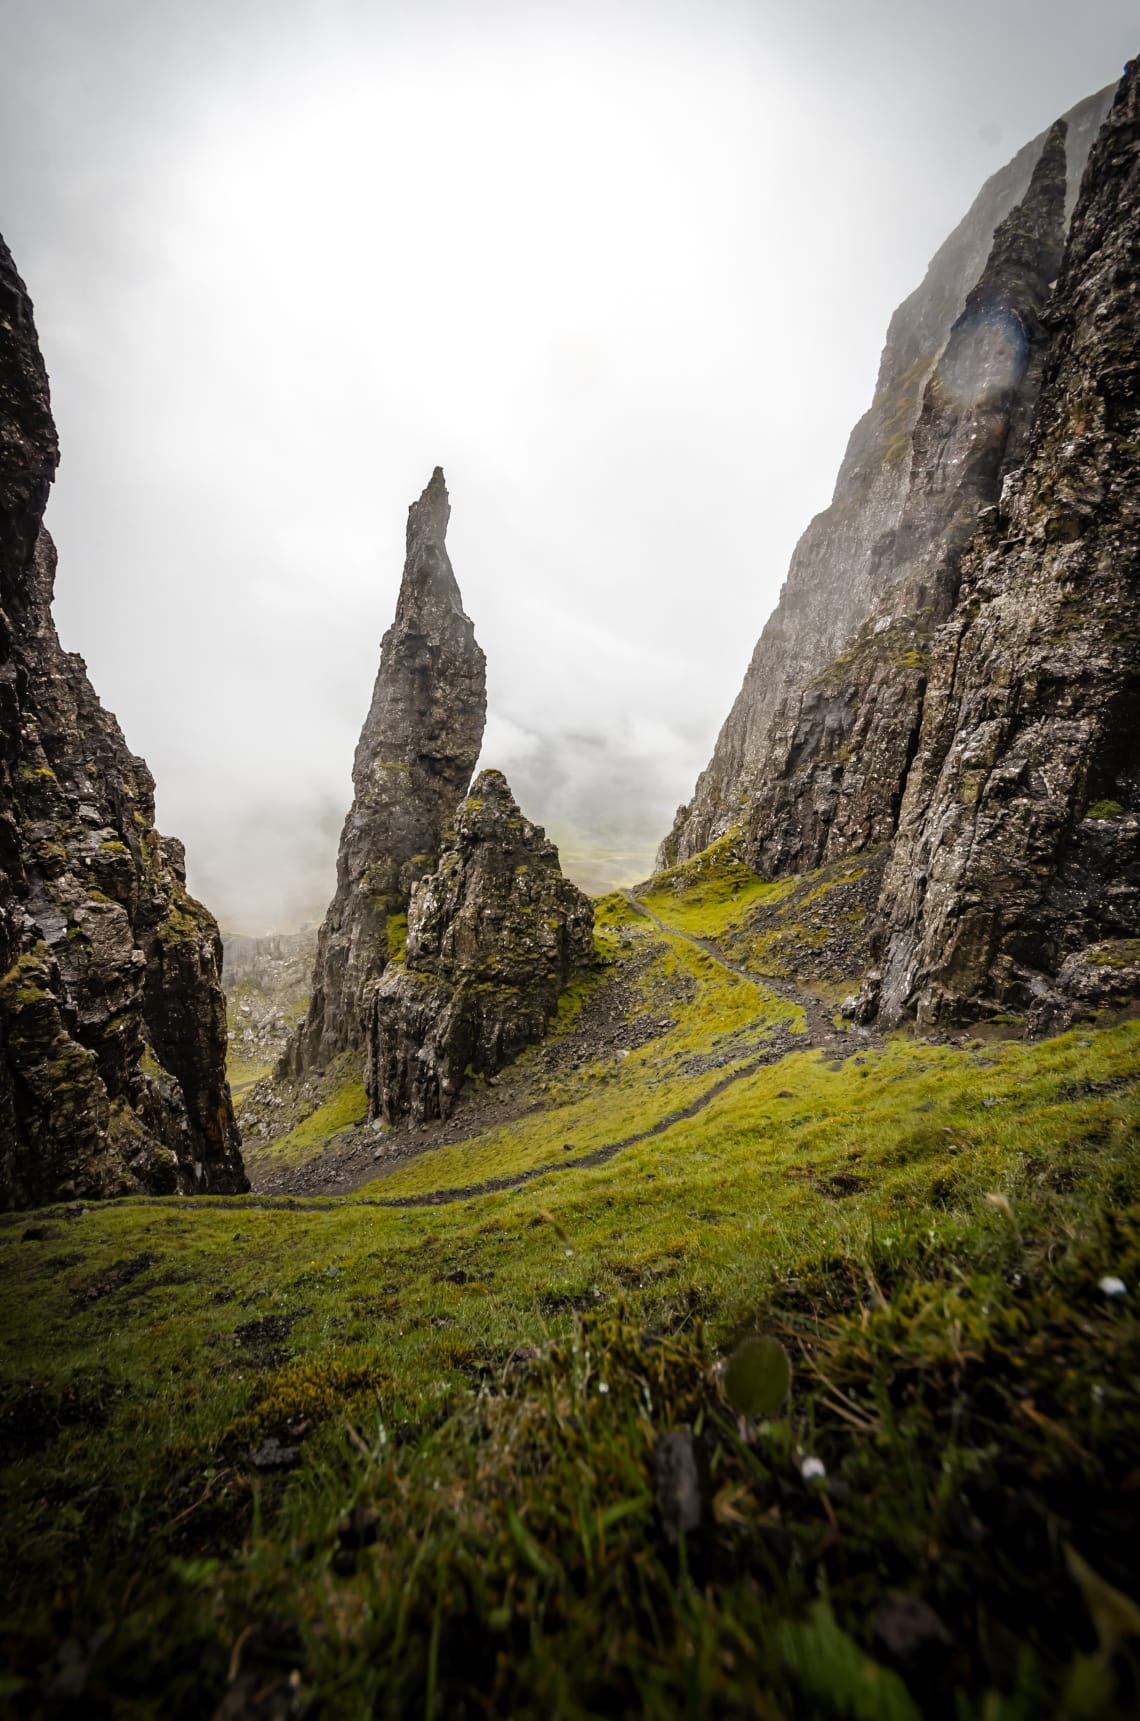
(494, 936)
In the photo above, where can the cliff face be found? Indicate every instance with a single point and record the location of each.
(417, 751)
(838, 750)
(494, 936)
(980, 727)
(1015, 878)
(112, 1019)
(839, 571)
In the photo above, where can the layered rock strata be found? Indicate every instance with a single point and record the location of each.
(495, 935)
(112, 1019)
(416, 754)
(1015, 877)
(838, 750)
(839, 572)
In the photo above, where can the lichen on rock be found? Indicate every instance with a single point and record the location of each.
(495, 935)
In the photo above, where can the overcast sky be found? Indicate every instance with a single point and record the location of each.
(624, 270)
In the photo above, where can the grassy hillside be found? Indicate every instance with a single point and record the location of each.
(420, 1451)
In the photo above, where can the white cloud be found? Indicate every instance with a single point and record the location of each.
(623, 270)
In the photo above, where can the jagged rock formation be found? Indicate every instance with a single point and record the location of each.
(495, 935)
(417, 751)
(839, 571)
(266, 982)
(112, 1019)
(1015, 877)
(838, 750)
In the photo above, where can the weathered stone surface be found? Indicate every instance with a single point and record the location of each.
(838, 751)
(838, 572)
(112, 1020)
(1019, 838)
(417, 751)
(1103, 976)
(495, 934)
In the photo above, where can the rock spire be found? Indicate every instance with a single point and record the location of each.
(414, 760)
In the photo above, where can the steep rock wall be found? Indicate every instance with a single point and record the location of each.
(838, 751)
(837, 572)
(112, 1019)
(1016, 872)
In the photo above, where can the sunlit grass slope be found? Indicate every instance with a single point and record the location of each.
(355, 1459)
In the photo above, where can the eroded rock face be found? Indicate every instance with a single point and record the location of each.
(417, 751)
(495, 935)
(112, 1019)
(838, 751)
(1019, 840)
(839, 571)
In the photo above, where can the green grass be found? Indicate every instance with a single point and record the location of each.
(348, 1105)
(610, 1099)
(397, 930)
(712, 891)
(924, 1227)
(242, 1073)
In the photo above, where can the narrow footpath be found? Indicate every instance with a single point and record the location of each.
(820, 1032)
(817, 1034)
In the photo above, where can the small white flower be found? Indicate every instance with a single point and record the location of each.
(811, 1469)
(603, 1386)
(1112, 1286)
(567, 1253)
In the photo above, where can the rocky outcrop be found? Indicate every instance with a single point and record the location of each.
(1015, 877)
(266, 982)
(839, 749)
(839, 571)
(112, 1019)
(495, 935)
(417, 751)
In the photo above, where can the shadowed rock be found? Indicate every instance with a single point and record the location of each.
(417, 750)
(112, 1020)
(1019, 839)
(839, 749)
(838, 572)
(494, 937)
